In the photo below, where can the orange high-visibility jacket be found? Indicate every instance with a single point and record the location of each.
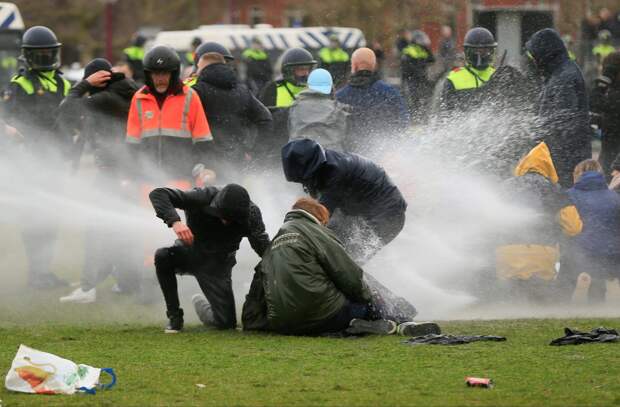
(181, 116)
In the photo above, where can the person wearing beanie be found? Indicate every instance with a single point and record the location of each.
(317, 116)
(217, 221)
(98, 106)
(378, 111)
(605, 105)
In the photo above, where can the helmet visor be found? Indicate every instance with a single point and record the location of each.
(480, 58)
(298, 73)
(42, 59)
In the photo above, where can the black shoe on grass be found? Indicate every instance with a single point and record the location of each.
(376, 327)
(418, 329)
(175, 322)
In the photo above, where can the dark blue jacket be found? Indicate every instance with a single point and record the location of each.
(599, 209)
(377, 109)
(563, 114)
(345, 181)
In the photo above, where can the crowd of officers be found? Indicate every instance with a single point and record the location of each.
(178, 134)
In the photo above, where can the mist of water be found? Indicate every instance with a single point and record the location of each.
(449, 175)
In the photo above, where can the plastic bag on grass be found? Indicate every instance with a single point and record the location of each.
(39, 372)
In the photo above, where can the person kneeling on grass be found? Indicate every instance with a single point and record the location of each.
(306, 284)
(217, 220)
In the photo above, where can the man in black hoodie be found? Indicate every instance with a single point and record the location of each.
(97, 107)
(357, 192)
(217, 220)
(563, 112)
(234, 114)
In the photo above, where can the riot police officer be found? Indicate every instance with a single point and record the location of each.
(31, 103)
(278, 96)
(204, 48)
(461, 83)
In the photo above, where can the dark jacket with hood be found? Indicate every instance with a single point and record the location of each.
(563, 113)
(233, 112)
(308, 276)
(211, 236)
(377, 110)
(101, 117)
(599, 209)
(345, 181)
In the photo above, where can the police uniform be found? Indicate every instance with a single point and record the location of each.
(461, 85)
(336, 61)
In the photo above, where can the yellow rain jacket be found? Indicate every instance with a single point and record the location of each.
(538, 253)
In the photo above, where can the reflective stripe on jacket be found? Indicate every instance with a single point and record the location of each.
(470, 78)
(181, 116)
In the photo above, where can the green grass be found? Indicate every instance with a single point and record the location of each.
(256, 369)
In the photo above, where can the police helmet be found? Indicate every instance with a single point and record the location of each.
(296, 57)
(479, 47)
(211, 46)
(41, 49)
(161, 59)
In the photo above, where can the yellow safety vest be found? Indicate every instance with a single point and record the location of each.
(416, 52)
(255, 54)
(134, 53)
(191, 81)
(603, 50)
(470, 78)
(48, 83)
(330, 56)
(286, 93)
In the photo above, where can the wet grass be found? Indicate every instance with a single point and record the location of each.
(245, 369)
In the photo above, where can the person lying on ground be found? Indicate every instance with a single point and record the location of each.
(217, 220)
(306, 283)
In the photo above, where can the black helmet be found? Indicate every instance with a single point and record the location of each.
(295, 57)
(479, 47)
(211, 46)
(162, 58)
(139, 40)
(41, 49)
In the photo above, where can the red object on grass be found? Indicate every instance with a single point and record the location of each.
(478, 382)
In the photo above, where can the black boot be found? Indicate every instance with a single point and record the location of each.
(175, 321)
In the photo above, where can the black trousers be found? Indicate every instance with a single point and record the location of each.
(213, 273)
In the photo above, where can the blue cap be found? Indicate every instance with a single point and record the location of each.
(320, 80)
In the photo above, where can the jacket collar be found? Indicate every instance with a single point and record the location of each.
(308, 215)
(145, 93)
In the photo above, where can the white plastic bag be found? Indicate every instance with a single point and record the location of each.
(39, 372)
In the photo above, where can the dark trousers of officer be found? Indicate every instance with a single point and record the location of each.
(39, 241)
(213, 273)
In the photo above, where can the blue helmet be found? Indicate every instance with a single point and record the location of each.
(320, 80)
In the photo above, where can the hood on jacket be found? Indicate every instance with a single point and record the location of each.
(591, 181)
(122, 86)
(362, 79)
(219, 75)
(301, 160)
(538, 161)
(547, 49)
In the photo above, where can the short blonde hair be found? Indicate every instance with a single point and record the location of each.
(586, 166)
(313, 207)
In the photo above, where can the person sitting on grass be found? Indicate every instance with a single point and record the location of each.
(596, 251)
(307, 284)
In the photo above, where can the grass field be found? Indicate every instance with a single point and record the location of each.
(244, 369)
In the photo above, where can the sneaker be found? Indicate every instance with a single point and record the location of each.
(418, 329)
(203, 309)
(377, 327)
(79, 296)
(46, 281)
(175, 322)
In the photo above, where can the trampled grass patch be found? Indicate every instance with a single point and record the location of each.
(249, 369)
